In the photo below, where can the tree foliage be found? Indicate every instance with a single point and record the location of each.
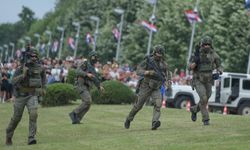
(226, 22)
(27, 17)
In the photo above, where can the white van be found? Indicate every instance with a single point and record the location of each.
(233, 91)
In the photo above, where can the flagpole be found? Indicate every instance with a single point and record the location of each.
(96, 34)
(121, 12)
(61, 41)
(77, 36)
(151, 32)
(192, 36)
(95, 18)
(49, 42)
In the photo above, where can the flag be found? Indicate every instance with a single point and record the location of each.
(192, 16)
(116, 33)
(247, 4)
(89, 39)
(55, 46)
(42, 48)
(149, 26)
(71, 43)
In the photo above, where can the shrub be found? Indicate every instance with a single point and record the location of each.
(115, 93)
(71, 76)
(58, 94)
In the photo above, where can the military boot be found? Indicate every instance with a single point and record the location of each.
(31, 141)
(155, 125)
(8, 141)
(127, 124)
(206, 123)
(74, 118)
(193, 116)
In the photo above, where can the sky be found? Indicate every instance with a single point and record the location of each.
(9, 9)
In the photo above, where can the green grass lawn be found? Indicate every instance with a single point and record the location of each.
(102, 129)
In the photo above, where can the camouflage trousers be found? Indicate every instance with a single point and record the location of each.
(204, 90)
(144, 94)
(84, 107)
(31, 102)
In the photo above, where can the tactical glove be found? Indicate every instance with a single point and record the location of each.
(149, 72)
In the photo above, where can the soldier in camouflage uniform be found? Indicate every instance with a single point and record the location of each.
(203, 62)
(28, 82)
(86, 77)
(150, 85)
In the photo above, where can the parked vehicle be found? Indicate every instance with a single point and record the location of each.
(232, 91)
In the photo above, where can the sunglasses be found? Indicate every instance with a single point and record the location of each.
(206, 44)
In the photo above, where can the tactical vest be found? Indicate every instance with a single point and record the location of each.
(34, 79)
(160, 65)
(206, 62)
(87, 67)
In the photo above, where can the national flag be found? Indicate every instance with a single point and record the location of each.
(192, 16)
(71, 43)
(42, 48)
(55, 46)
(149, 26)
(89, 39)
(116, 33)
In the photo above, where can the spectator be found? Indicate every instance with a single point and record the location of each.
(56, 72)
(4, 86)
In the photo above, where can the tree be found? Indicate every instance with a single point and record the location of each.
(27, 17)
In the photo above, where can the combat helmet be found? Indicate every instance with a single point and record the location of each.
(206, 40)
(159, 49)
(93, 57)
(33, 53)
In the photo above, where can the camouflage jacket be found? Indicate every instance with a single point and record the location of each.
(161, 66)
(83, 79)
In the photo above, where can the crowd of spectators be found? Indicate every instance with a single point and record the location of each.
(180, 78)
(57, 71)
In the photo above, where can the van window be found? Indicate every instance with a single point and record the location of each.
(226, 82)
(246, 84)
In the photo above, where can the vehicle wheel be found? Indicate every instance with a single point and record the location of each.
(181, 102)
(244, 109)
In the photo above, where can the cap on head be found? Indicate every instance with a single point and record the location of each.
(159, 49)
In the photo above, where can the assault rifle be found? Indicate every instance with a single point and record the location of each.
(95, 79)
(159, 73)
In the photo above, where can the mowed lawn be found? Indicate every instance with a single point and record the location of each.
(102, 129)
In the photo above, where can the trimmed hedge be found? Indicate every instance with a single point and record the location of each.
(71, 76)
(59, 94)
(115, 93)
